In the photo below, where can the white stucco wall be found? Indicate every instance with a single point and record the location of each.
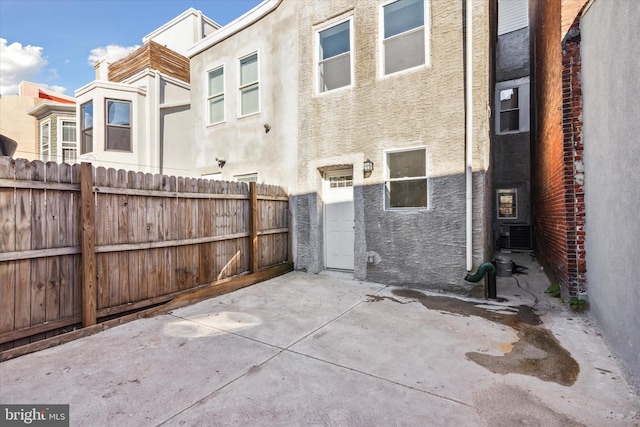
(610, 64)
(242, 141)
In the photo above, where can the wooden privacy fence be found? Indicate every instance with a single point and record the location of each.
(79, 245)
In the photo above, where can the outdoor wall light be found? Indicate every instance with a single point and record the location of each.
(368, 166)
(221, 162)
(267, 127)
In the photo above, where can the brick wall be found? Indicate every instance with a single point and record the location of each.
(557, 196)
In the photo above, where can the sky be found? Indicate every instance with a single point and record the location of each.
(54, 43)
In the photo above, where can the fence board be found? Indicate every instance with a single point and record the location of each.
(23, 171)
(7, 243)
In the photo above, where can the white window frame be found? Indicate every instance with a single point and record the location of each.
(381, 40)
(385, 201)
(107, 125)
(69, 145)
(241, 86)
(46, 145)
(217, 95)
(514, 191)
(247, 177)
(523, 87)
(351, 54)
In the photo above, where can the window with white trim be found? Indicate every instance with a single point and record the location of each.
(45, 141)
(250, 177)
(118, 125)
(404, 37)
(512, 106)
(507, 203)
(249, 85)
(406, 179)
(69, 145)
(86, 128)
(215, 99)
(334, 57)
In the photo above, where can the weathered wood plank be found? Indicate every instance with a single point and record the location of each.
(24, 171)
(123, 237)
(38, 241)
(254, 218)
(53, 239)
(88, 237)
(8, 289)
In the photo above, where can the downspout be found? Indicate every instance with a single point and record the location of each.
(468, 71)
(159, 138)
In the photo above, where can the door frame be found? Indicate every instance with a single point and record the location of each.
(326, 175)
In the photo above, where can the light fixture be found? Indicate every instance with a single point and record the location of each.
(368, 166)
(267, 127)
(221, 162)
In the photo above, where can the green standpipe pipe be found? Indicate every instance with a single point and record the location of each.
(482, 270)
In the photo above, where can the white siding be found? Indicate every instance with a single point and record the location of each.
(512, 15)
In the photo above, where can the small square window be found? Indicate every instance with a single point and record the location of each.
(249, 86)
(406, 179)
(215, 98)
(507, 203)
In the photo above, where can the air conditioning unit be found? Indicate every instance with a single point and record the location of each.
(516, 236)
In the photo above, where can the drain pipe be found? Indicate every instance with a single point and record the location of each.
(469, 132)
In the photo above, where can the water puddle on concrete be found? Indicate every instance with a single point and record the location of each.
(537, 353)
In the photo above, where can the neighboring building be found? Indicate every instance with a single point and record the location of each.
(510, 152)
(18, 125)
(56, 131)
(244, 82)
(557, 169)
(585, 151)
(136, 114)
(383, 155)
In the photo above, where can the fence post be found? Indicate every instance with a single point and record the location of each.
(253, 218)
(88, 242)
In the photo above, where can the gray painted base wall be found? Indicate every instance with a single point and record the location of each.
(610, 64)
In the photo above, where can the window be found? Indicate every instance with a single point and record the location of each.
(86, 127)
(341, 181)
(404, 37)
(512, 106)
(118, 125)
(69, 145)
(216, 96)
(507, 203)
(249, 88)
(334, 57)
(406, 179)
(45, 141)
(251, 177)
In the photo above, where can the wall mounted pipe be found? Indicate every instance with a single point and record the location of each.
(469, 131)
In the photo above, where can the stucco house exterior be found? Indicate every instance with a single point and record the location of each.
(136, 114)
(56, 131)
(358, 108)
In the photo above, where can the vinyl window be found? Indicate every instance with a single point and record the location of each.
(118, 125)
(215, 99)
(86, 128)
(45, 141)
(512, 106)
(334, 57)
(249, 85)
(68, 141)
(406, 179)
(507, 203)
(404, 37)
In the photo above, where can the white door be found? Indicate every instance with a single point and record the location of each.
(339, 221)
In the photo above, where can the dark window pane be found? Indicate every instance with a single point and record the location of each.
(119, 113)
(509, 120)
(407, 164)
(408, 194)
(118, 138)
(86, 145)
(509, 99)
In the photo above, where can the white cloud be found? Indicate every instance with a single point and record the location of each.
(53, 88)
(111, 52)
(17, 63)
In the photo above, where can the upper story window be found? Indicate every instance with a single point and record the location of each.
(250, 177)
(215, 97)
(68, 144)
(406, 180)
(118, 125)
(334, 57)
(512, 106)
(249, 85)
(86, 128)
(45, 141)
(404, 36)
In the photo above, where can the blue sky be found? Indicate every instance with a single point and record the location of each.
(53, 42)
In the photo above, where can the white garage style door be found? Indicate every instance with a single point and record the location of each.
(339, 221)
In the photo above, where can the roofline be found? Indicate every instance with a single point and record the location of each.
(60, 106)
(190, 11)
(235, 26)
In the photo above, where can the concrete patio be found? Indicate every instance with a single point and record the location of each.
(305, 349)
